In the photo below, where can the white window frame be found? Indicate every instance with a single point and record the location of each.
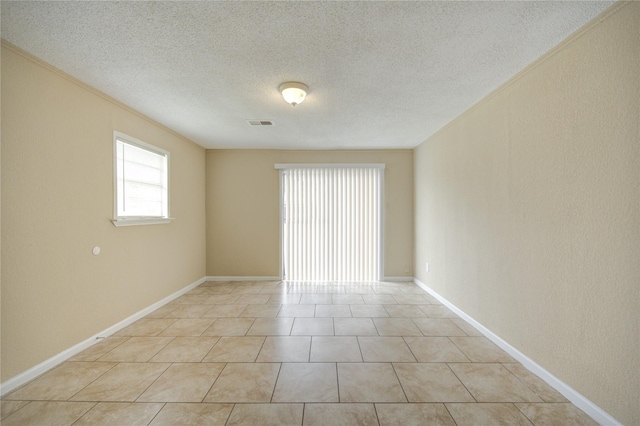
(138, 220)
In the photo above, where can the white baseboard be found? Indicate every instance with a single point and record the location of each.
(33, 372)
(237, 278)
(579, 400)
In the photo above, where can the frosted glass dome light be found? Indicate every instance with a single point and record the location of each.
(294, 93)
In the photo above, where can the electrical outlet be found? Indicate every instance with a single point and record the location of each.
(426, 266)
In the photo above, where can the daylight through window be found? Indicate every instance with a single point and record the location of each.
(142, 177)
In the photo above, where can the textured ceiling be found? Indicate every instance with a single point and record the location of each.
(381, 74)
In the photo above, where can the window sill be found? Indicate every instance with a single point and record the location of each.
(135, 222)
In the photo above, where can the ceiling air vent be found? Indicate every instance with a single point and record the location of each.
(260, 122)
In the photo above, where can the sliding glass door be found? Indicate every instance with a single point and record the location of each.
(331, 222)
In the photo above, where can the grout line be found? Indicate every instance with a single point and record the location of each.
(275, 384)
(461, 382)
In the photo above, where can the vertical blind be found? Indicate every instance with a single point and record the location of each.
(331, 227)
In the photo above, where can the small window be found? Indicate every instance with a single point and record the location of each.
(141, 182)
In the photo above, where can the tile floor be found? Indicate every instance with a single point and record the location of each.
(273, 353)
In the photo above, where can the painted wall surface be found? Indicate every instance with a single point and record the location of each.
(57, 202)
(243, 213)
(528, 212)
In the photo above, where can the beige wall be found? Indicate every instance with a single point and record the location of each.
(527, 210)
(243, 233)
(57, 199)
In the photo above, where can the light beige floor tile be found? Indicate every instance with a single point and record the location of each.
(487, 414)
(358, 289)
(193, 414)
(404, 311)
(481, 349)
(274, 289)
(260, 311)
(188, 382)
(347, 299)
(146, 327)
(253, 299)
(250, 382)
(185, 349)
(48, 413)
(162, 311)
(235, 349)
(215, 284)
(137, 349)
(192, 299)
(331, 311)
(306, 382)
(120, 413)
(266, 414)
(435, 349)
(333, 289)
(124, 382)
(197, 290)
(218, 284)
(384, 289)
(286, 299)
(396, 327)
(438, 327)
(99, 349)
(225, 311)
(187, 327)
(432, 300)
(493, 383)
(438, 311)
(411, 299)
(536, 384)
(312, 327)
(369, 311)
(7, 408)
(454, 361)
(335, 349)
(222, 299)
(229, 327)
(393, 284)
(247, 290)
(354, 327)
(316, 299)
(285, 349)
(62, 382)
(413, 415)
(431, 382)
(466, 327)
(218, 291)
(189, 311)
(340, 415)
(297, 311)
(385, 349)
(273, 284)
(413, 289)
(555, 414)
(302, 288)
(369, 382)
(271, 327)
(379, 299)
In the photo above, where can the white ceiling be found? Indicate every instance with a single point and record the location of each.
(381, 74)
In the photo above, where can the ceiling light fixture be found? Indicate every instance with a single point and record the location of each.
(293, 92)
